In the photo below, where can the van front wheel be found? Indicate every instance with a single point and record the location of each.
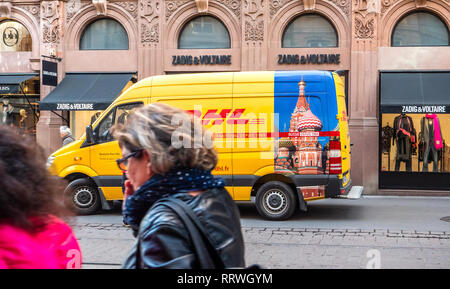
(84, 196)
(275, 201)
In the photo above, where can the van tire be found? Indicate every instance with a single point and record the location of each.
(83, 196)
(276, 201)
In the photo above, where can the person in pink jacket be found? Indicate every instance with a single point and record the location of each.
(33, 234)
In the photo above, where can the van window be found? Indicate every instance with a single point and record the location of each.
(103, 134)
(123, 111)
(118, 114)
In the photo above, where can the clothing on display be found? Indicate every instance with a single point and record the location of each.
(405, 137)
(6, 114)
(387, 133)
(431, 138)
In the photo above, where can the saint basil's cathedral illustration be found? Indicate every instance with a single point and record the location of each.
(302, 154)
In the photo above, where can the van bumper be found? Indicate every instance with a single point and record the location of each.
(335, 188)
(346, 189)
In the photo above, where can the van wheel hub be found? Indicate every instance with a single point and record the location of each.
(275, 201)
(84, 198)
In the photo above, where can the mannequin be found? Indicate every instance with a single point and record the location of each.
(405, 136)
(430, 130)
(387, 133)
(7, 117)
(26, 124)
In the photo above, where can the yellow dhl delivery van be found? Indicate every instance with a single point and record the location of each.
(282, 137)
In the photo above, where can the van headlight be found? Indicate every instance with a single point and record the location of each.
(50, 161)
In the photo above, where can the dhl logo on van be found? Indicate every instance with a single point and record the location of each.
(216, 117)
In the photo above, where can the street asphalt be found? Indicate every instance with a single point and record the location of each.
(371, 232)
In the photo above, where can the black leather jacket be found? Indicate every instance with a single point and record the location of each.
(163, 241)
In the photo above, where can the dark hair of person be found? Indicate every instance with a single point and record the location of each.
(27, 190)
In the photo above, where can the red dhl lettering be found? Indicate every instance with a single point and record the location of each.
(213, 117)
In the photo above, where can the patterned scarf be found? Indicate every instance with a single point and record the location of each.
(178, 180)
(437, 131)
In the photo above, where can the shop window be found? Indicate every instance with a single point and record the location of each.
(204, 32)
(310, 30)
(19, 108)
(414, 130)
(104, 34)
(420, 29)
(15, 37)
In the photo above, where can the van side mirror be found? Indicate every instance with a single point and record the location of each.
(89, 135)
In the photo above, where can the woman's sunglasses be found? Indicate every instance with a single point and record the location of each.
(123, 162)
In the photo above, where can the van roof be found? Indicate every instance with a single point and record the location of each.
(222, 77)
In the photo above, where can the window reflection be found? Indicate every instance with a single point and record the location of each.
(420, 29)
(204, 32)
(310, 30)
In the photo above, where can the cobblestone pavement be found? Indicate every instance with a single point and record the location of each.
(107, 245)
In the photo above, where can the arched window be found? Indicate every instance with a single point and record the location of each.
(104, 34)
(420, 29)
(309, 30)
(14, 37)
(204, 32)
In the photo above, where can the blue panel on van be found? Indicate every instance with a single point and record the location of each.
(319, 92)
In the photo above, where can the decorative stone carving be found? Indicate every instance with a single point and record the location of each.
(385, 5)
(173, 5)
(344, 5)
(362, 5)
(5, 9)
(50, 34)
(130, 7)
(50, 25)
(364, 29)
(32, 9)
(149, 10)
(233, 5)
(309, 4)
(421, 3)
(150, 35)
(254, 32)
(202, 6)
(73, 7)
(100, 6)
(254, 9)
(50, 11)
(275, 5)
(254, 22)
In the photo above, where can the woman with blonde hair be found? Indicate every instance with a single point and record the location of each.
(166, 155)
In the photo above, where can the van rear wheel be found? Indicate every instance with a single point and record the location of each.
(83, 196)
(275, 201)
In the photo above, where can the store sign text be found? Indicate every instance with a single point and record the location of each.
(74, 106)
(424, 108)
(8, 88)
(309, 59)
(201, 60)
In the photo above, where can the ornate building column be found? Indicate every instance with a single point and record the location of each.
(254, 27)
(51, 27)
(150, 60)
(363, 89)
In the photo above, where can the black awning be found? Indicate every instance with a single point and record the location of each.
(86, 91)
(9, 82)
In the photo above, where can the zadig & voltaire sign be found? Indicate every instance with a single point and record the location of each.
(201, 60)
(309, 59)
